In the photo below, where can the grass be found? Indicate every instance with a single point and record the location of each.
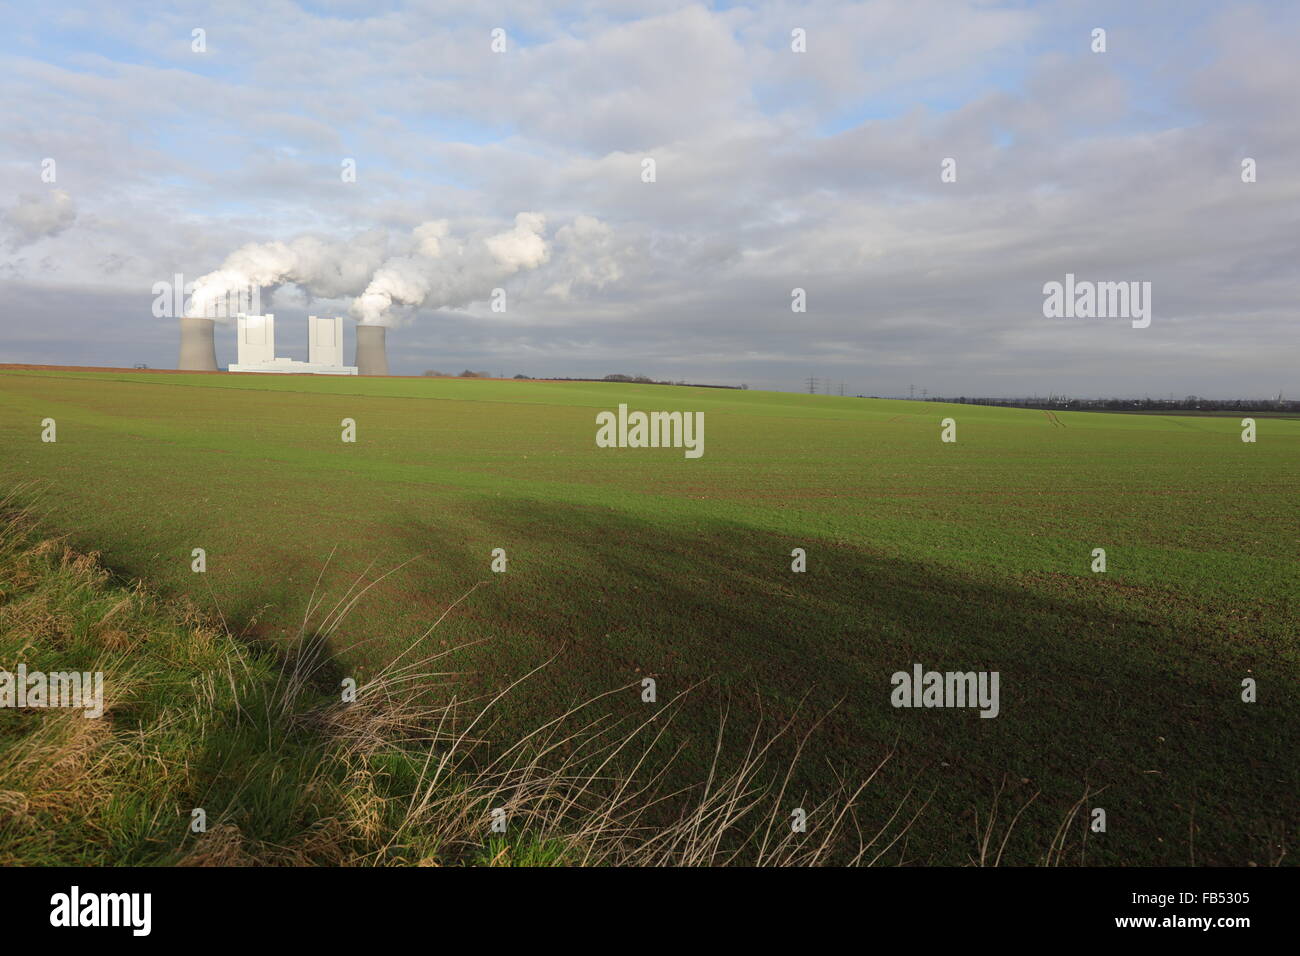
(626, 564)
(250, 740)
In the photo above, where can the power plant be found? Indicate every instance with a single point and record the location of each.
(372, 350)
(198, 345)
(255, 347)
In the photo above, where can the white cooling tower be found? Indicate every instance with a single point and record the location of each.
(372, 354)
(198, 345)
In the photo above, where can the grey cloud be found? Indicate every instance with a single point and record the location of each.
(39, 216)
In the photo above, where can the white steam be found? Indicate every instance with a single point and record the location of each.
(523, 246)
(450, 274)
(433, 269)
(323, 268)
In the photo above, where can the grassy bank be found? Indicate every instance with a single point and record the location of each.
(216, 750)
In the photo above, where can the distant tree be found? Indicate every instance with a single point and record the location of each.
(524, 376)
(638, 379)
(432, 373)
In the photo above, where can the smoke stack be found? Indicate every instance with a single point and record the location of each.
(372, 355)
(198, 345)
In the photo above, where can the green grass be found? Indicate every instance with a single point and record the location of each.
(209, 750)
(626, 563)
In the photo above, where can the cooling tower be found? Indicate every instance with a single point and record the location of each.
(198, 345)
(372, 357)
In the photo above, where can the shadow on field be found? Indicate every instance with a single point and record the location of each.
(1104, 686)
(1100, 688)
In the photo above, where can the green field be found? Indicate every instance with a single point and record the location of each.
(626, 563)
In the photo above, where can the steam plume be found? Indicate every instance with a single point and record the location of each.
(434, 269)
(326, 269)
(445, 273)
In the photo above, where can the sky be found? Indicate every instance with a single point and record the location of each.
(133, 150)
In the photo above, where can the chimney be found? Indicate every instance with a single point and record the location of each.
(198, 345)
(372, 356)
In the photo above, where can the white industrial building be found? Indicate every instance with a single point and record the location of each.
(256, 347)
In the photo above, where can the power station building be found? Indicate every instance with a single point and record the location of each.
(255, 347)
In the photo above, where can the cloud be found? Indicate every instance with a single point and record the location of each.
(39, 216)
(775, 170)
(589, 257)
